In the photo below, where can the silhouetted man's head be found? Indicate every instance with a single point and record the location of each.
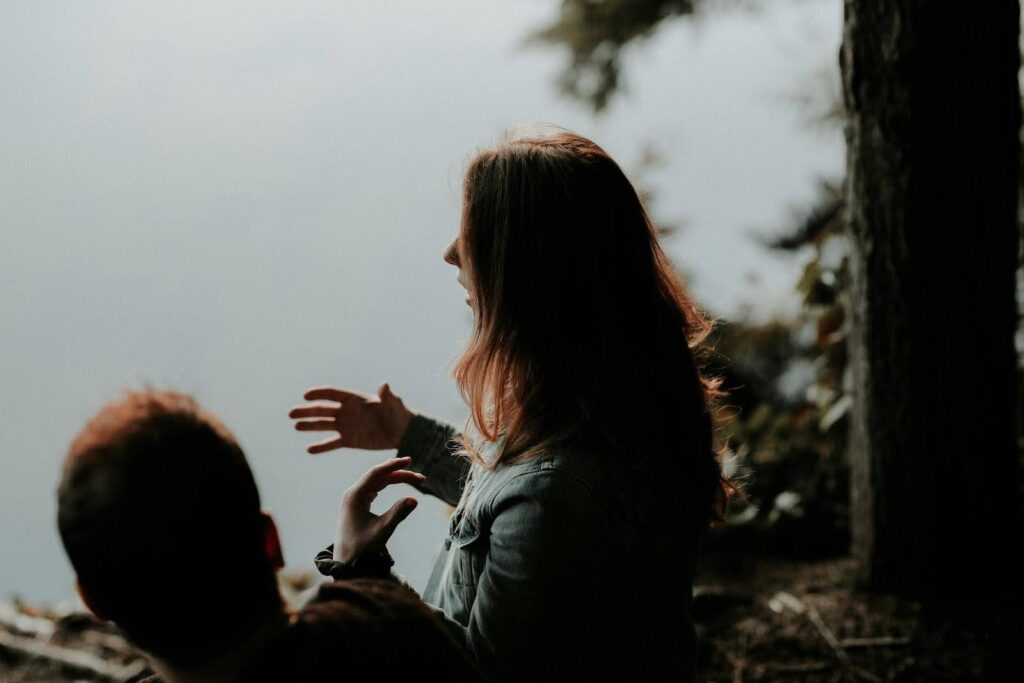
(160, 516)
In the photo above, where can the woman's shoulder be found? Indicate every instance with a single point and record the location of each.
(568, 470)
(562, 502)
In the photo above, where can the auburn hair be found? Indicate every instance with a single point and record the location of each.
(152, 488)
(583, 330)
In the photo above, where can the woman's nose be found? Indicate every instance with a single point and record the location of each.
(451, 254)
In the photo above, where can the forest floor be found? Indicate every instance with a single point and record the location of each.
(758, 619)
(769, 619)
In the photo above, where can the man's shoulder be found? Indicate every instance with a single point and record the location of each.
(382, 602)
(354, 627)
(365, 605)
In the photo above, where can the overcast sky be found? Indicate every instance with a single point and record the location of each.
(243, 199)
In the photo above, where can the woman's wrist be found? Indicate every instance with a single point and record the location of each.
(371, 564)
(401, 423)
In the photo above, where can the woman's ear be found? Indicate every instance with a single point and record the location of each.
(271, 542)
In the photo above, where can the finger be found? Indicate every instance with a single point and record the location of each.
(328, 394)
(385, 392)
(366, 491)
(378, 471)
(400, 477)
(390, 520)
(299, 412)
(316, 425)
(325, 445)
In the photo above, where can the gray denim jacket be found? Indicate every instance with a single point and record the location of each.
(541, 571)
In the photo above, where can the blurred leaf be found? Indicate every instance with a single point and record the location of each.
(838, 410)
(816, 224)
(829, 323)
(809, 278)
(786, 503)
(595, 32)
(820, 294)
(760, 417)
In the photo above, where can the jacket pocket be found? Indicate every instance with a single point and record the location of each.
(467, 547)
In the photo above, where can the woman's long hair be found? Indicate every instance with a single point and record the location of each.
(583, 330)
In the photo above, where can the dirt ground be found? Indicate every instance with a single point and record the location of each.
(758, 619)
(765, 619)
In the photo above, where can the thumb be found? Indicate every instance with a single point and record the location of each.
(390, 520)
(385, 392)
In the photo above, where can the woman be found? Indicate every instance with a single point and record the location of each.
(587, 474)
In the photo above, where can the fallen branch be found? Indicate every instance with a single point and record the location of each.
(14, 620)
(881, 641)
(780, 601)
(738, 664)
(829, 637)
(81, 663)
(800, 667)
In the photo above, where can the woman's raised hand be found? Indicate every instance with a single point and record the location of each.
(360, 420)
(359, 530)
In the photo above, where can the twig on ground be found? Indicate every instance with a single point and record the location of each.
(801, 667)
(881, 641)
(866, 675)
(783, 600)
(737, 664)
(14, 620)
(82, 663)
(829, 637)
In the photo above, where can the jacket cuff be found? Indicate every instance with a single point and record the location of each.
(423, 440)
(369, 565)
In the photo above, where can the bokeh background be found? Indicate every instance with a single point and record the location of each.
(244, 199)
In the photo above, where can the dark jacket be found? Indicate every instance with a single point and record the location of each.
(360, 630)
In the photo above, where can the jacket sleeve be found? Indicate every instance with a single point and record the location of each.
(380, 566)
(535, 603)
(431, 445)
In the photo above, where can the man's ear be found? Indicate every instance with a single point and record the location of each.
(93, 605)
(271, 542)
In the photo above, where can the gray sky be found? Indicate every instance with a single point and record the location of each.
(243, 199)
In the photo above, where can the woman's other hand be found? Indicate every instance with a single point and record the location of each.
(359, 530)
(361, 420)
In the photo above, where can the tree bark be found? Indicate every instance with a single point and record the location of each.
(933, 123)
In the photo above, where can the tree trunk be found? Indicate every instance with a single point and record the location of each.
(933, 165)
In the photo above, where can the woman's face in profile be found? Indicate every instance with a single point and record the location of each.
(453, 255)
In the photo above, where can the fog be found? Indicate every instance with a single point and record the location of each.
(244, 199)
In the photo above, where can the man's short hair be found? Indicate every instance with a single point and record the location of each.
(160, 516)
